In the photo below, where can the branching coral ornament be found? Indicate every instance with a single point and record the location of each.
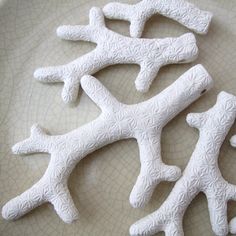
(179, 10)
(202, 174)
(143, 121)
(113, 48)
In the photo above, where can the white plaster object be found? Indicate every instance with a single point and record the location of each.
(202, 174)
(143, 121)
(232, 223)
(181, 11)
(113, 48)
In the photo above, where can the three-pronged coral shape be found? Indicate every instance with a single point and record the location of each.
(143, 121)
(113, 48)
(202, 174)
(184, 12)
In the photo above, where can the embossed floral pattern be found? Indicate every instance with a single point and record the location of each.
(113, 48)
(182, 11)
(202, 174)
(143, 121)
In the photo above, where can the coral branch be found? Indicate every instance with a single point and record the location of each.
(153, 170)
(25, 202)
(202, 174)
(81, 32)
(96, 17)
(117, 121)
(147, 74)
(179, 10)
(113, 48)
(101, 96)
(67, 32)
(39, 141)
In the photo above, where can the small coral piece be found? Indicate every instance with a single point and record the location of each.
(143, 121)
(113, 48)
(184, 12)
(202, 174)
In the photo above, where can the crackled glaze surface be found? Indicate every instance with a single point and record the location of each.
(184, 12)
(143, 121)
(113, 48)
(202, 174)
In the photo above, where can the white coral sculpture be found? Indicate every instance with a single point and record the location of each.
(143, 121)
(182, 11)
(113, 48)
(202, 174)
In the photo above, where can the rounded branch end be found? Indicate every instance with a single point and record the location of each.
(233, 141)
(10, 210)
(62, 31)
(232, 226)
(141, 86)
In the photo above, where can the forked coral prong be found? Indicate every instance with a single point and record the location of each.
(113, 48)
(179, 10)
(202, 174)
(143, 121)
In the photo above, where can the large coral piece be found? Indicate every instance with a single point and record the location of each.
(143, 121)
(113, 48)
(202, 174)
(182, 11)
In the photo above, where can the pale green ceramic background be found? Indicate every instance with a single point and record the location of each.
(101, 183)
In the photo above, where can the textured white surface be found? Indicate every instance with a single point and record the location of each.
(143, 122)
(232, 223)
(101, 183)
(184, 12)
(202, 174)
(113, 48)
